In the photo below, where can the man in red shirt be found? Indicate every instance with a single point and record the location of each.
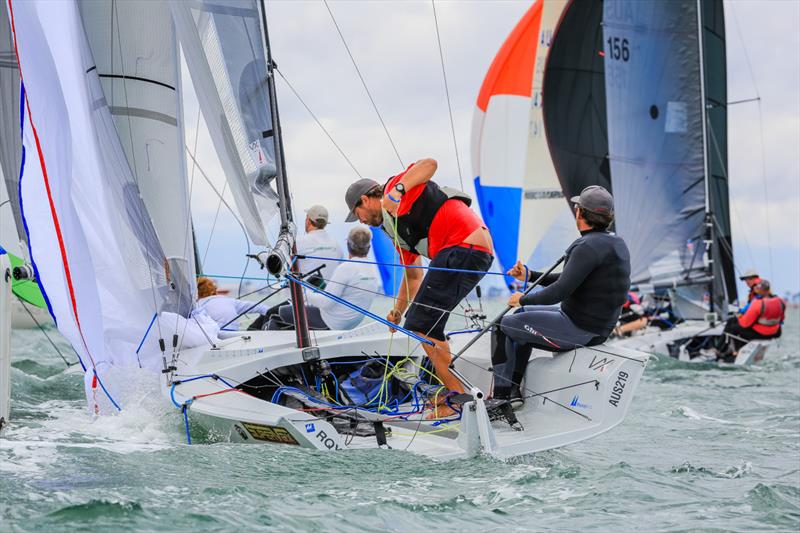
(751, 279)
(423, 219)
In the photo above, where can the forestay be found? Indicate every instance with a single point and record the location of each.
(515, 179)
(95, 251)
(136, 57)
(225, 53)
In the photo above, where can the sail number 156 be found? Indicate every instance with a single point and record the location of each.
(618, 49)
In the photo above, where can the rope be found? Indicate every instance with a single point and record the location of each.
(41, 328)
(364, 84)
(761, 128)
(319, 123)
(447, 94)
(424, 267)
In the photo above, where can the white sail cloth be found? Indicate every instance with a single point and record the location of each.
(221, 40)
(96, 253)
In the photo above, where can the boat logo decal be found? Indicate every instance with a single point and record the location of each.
(619, 387)
(270, 433)
(310, 428)
(576, 402)
(600, 365)
(327, 441)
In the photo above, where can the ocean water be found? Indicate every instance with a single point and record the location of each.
(703, 448)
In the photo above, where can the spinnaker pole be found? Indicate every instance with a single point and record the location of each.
(283, 250)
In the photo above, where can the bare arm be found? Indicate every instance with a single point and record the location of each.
(412, 278)
(420, 172)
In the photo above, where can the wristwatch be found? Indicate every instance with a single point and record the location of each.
(399, 187)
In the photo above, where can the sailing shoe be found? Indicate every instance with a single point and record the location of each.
(511, 418)
(516, 399)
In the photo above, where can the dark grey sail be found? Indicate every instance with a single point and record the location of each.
(575, 116)
(658, 159)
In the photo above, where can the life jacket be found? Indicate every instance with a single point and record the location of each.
(411, 233)
(772, 311)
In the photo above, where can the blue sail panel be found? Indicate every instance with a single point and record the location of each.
(386, 255)
(500, 209)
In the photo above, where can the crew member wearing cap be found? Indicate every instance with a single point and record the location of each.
(316, 242)
(424, 219)
(591, 290)
(762, 320)
(355, 282)
(751, 279)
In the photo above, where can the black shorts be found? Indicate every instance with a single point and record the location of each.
(441, 291)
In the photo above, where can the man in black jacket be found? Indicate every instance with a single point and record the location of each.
(591, 291)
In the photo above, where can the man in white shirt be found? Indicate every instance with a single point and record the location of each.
(318, 243)
(222, 309)
(356, 283)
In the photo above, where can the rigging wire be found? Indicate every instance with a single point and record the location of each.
(41, 328)
(447, 94)
(291, 87)
(364, 84)
(761, 128)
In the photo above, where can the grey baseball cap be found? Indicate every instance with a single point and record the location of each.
(596, 199)
(765, 285)
(354, 194)
(317, 213)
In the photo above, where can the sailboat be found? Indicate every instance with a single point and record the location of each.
(116, 266)
(632, 97)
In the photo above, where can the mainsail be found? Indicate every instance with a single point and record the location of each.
(628, 87)
(10, 140)
(226, 56)
(515, 180)
(93, 246)
(135, 53)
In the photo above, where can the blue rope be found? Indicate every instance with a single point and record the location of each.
(146, 332)
(361, 310)
(442, 269)
(460, 331)
(527, 277)
(186, 422)
(100, 381)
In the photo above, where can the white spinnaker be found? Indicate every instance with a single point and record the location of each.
(136, 55)
(547, 226)
(221, 40)
(96, 253)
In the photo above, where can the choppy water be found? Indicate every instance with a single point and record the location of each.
(704, 448)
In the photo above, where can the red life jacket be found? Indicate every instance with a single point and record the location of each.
(764, 315)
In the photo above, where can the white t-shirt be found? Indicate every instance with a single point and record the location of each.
(222, 309)
(318, 243)
(347, 283)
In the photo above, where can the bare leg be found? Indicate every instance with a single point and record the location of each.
(439, 354)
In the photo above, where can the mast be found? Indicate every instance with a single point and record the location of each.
(284, 247)
(709, 216)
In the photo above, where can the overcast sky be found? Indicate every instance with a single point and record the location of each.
(394, 44)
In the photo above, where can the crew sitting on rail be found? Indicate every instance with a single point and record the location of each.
(353, 281)
(424, 219)
(222, 309)
(591, 289)
(317, 242)
(751, 279)
(762, 319)
(632, 318)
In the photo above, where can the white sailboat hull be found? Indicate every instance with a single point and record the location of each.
(572, 396)
(672, 343)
